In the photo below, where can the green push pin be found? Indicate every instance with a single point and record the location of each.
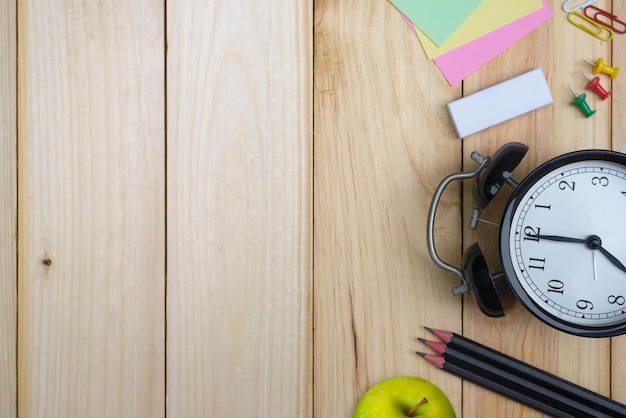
(581, 103)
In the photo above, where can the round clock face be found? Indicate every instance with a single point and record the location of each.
(563, 243)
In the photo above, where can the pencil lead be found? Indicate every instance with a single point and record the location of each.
(420, 354)
(429, 329)
(421, 340)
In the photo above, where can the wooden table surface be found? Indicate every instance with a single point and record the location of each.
(219, 208)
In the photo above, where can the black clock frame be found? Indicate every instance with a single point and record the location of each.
(507, 263)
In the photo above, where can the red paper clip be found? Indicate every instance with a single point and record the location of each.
(612, 19)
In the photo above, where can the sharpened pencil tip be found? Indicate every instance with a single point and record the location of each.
(420, 354)
(429, 329)
(422, 340)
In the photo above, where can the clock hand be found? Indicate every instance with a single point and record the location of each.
(593, 242)
(612, 259)
(561, 239)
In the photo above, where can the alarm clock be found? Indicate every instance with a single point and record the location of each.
(562, 239)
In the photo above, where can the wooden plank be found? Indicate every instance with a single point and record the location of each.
(618, 106)
(239, 129)
(8, 210)
(548, 132)
(91, 209)
(383, 142)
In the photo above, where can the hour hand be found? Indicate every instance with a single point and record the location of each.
(612, 259)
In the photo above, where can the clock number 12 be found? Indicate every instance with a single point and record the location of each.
(532, 234)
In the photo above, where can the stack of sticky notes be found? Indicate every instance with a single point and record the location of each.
(460, 36)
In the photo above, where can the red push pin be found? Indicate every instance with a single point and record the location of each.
(600, 67)
(595, 86)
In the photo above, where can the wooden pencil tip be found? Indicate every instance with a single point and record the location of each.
(421, 340)
(439, 347)
(429, 329)
(420, 354)
(445, 336)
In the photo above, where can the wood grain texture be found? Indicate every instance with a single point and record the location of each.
(383, 142)
(91, 209)
(618, 136)
(548, 132)
(8, 210)
(239, 293)
(222, 207)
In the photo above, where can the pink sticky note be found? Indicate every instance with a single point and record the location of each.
(466, 59)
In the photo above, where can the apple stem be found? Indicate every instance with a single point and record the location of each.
(412, 411)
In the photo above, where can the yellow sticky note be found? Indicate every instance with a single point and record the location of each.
(489, 16)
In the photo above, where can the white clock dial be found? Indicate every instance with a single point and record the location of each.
(567, 243)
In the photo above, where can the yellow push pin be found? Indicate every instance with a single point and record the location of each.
(600, 67)
(581, 103)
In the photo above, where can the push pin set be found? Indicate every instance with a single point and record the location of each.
(602, 25)
(593, 85)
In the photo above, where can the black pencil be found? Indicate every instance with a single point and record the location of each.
(514, 390)
(517, 389)
(540, 394)
(556, 384)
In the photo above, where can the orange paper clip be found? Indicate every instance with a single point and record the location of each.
(576, 7)
(591, 27)
(612, 19)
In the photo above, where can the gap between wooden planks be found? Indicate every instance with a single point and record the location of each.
(336, 78)
(92, 209)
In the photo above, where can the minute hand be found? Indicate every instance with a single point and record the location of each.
(593, 242)
(562, 239)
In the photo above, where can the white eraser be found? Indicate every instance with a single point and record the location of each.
(500, 103)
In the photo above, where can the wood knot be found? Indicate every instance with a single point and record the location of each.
(46, 261)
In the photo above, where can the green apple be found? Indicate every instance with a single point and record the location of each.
(404, 396)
